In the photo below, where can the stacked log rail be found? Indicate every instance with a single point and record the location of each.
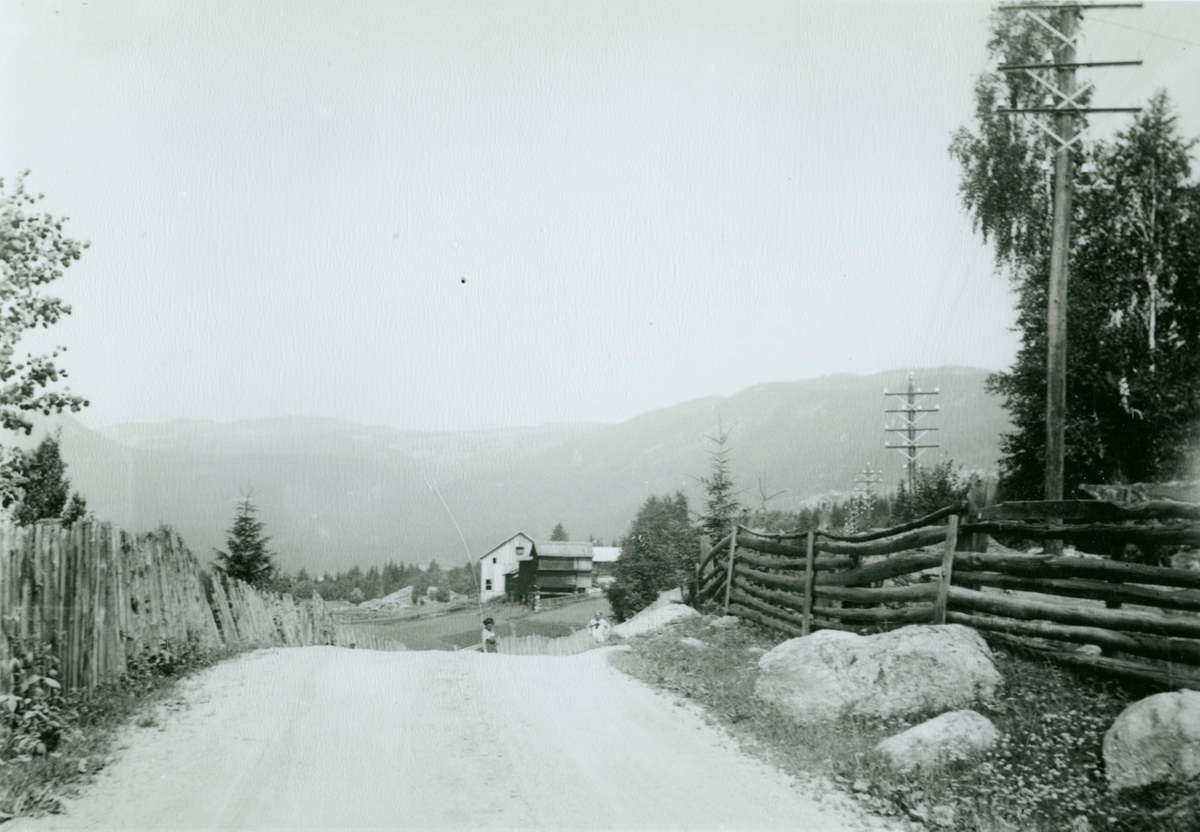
(912, 573)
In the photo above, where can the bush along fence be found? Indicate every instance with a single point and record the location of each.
(99, 596)
(1142, 618)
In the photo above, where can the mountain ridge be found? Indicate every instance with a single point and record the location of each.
(334, 493)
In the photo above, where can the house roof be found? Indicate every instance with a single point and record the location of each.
(562, 549)
(606, 554)
(504, 542)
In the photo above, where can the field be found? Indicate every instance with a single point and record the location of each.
(457, 630)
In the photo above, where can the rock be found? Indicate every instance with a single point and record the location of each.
(942, 816)
(725, 621)
(694, 643)
(913, 670)
(758, 651)
(1080, 823)
(1155, 739)
(957, 735)
(861, 785)
(1089, 650)
(400, 599)
(665, 598)
(651, 619)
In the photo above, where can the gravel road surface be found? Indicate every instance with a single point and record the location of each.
(331, 737)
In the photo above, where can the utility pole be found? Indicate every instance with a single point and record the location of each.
(1063, 104)
(911, 435)
(864, 493)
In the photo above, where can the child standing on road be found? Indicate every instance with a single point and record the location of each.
(488, 636)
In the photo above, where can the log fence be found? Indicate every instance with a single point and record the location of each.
(100, 596)
(1142, 618)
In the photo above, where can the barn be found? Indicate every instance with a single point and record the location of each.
(500, 566)
(521, 566)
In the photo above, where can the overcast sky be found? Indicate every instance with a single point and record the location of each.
(447, 215)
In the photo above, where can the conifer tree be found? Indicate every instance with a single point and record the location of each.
(247, 558)
(45, 487)
(721, 504)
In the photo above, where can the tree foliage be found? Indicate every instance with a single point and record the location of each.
(657, 554)
(45, 488)
(559, 533)
(1133, 316)
(934, 488)
(247, 558)
(34, 251)
(721, 505)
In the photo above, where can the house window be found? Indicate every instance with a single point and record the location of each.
(520, 552)
(493, 560)
(487, 584)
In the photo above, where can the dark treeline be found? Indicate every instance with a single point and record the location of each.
(357, 585)
(935, 487)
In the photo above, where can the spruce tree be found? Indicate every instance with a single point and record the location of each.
(559, 533)
(45, 488)
(721, 504)
(247, 558)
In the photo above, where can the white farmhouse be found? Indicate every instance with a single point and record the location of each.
(500, 565)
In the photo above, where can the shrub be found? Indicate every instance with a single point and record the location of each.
(35, 713)
(935, 488)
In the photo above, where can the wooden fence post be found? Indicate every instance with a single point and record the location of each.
(806, 625)
(939, 606)
(729, 574)
(705, 548)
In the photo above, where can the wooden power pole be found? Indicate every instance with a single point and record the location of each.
(1056, 313)
(1064, 99)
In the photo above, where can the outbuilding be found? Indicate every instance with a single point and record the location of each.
(604, 564)
(521, 567)
(499, 567)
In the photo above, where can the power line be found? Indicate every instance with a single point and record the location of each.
(1064, 103)
(1145, 31)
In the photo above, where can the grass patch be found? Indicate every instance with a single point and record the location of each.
(33, 784)
(1046, 774)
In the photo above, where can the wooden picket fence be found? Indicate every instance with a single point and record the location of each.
(99, 596)
(1143, 618)
(348, 636)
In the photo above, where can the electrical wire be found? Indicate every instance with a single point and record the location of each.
(1143, 31)
(457, 528)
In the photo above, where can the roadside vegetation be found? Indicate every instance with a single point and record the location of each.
(53, 743)
(662, 547)
(1046, 774)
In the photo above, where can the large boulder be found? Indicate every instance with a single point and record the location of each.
(1153, 740)
(913, 670)
(958, 735)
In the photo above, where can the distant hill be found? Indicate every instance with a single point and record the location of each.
(334, 494)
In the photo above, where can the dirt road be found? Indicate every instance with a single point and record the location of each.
(331, 737)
